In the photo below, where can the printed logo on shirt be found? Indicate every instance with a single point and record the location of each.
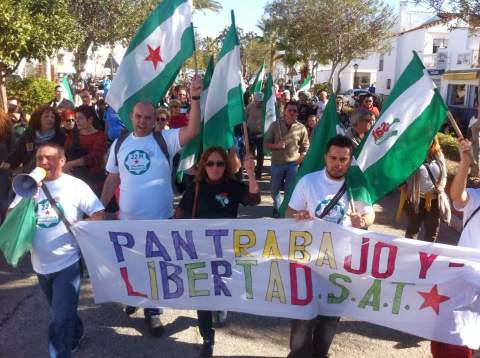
(222, 198)
(335, 215)
(137, 162)
(47, 216)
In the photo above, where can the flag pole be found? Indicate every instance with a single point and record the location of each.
(458, 132)
(195, 61)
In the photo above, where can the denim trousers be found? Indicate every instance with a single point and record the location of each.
(312, 339)
(282, 175)
(62, 290)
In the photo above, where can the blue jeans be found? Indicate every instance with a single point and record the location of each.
(62, 289)
(281, 174)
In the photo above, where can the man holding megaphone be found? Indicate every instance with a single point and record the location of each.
(60, 199)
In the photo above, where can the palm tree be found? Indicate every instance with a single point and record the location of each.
(211, 5)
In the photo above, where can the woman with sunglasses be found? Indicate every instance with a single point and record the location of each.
(216, 194)
(85, 149)
(162, 120)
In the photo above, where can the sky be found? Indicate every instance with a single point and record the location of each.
(247, 15)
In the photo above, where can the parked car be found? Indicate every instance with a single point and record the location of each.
(351, 96)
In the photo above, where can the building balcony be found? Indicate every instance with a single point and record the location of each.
(435, 61)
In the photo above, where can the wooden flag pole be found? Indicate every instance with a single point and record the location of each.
(458, 132)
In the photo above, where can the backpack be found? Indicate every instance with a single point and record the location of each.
(158, 138)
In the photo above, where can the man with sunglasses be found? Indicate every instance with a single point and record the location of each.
(288, 141)
(361, 121)
(141, 166)
(367, 103)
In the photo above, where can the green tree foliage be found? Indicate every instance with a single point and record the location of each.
(32, 29)
(324, 31)
(31, 91)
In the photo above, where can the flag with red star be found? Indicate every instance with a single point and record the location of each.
(153, 58)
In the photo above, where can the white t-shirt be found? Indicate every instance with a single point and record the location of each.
(469, 236)
(313, 193)
(54, 247)
(145, 176)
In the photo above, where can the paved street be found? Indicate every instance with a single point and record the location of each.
(110, 333)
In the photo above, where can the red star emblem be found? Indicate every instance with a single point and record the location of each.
(432, 299)
(154, 56)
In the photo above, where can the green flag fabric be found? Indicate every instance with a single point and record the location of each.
(258, 82)
(191, 152)
(153, 58)
(305, 86)
(327, 128)
(397, 144)
(224, 106)
(269, 105)
(67, 90)
(17, 231)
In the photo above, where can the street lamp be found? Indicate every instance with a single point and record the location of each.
(355, 79)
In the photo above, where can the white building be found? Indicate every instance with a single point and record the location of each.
(448, 50)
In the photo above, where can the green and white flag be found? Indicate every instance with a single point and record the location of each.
(153, 58)
(269, 105)
(327, 128)
(224, 107)
(258, 83)
(192, 150)
(67, 90)
(305, 86)
(17, 231)
(398, 143)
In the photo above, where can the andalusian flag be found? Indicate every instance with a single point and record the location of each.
(398, 143)
(17, 231)
(192, 150)
(67, 90)
(269, 105)
(153, 58)
(305, 86)
(327, 128)
(224, 108)
(258, 83)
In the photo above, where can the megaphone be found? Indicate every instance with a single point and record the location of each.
(26, 185)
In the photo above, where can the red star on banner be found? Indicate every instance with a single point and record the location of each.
(432, 299)
(154, 56)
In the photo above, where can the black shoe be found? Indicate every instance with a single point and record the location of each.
(207, 350)
(155, 325)
(129, 310)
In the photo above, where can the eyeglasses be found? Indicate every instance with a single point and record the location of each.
(292, 110)
(219, 164)
(163, 119)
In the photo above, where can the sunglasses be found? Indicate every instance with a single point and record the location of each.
(219, 164)
(70, 120)
(163, 119)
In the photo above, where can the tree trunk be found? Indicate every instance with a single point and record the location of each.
(81, 56)
(332, 72)
(3, 94)
(339, 83)
(305, 70)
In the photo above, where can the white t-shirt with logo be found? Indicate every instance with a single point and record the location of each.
(145, 176)
(315, 190)
(469, 236)
(54, 247)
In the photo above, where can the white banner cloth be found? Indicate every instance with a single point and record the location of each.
(287, 268)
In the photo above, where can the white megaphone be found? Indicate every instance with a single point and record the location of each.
(26, 185)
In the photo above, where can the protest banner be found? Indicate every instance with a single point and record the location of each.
(287, 268)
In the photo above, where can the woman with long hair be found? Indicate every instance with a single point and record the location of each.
(6, 146)
(423, 190)
(44, 127)
(85, 149)
(216, 194)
